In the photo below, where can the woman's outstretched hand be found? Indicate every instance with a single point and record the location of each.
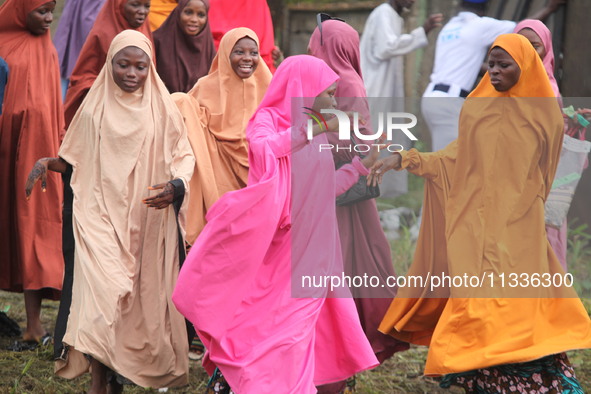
(162, 199)
(380, 167)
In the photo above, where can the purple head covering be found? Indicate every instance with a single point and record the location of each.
(75, 23)
(546, 36)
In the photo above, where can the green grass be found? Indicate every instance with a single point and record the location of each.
(32, 371)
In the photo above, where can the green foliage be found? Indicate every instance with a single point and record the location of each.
(579, 257)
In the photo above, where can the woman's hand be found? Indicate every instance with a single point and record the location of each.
(333, 124)
(377, 171)
(163, 199)
(373, 154)
(39, 171)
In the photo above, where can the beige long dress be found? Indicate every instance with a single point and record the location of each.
(126, 259)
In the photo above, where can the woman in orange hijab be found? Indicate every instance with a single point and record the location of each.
(30, 125)
(216, 112)
(502, 330)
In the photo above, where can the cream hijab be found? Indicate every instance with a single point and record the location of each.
(111, 128)
(127, 256)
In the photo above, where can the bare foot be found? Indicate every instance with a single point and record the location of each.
(35, 329)
(34, 337)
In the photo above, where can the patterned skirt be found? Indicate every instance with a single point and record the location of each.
(550, 374)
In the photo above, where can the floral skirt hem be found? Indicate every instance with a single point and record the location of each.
(550, 374)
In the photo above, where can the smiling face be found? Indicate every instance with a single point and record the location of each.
(244, 57)
(326, 100)
(502, 69)
(39, 20)
(136, 12)
(130, 68)
(535, 41)
(193, 17)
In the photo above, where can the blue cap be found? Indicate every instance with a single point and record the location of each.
(476, 1)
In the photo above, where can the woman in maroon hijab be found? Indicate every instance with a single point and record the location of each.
(365, 247)
(184, 46)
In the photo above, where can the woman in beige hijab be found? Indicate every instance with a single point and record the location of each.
(126, 136)
(216, 112)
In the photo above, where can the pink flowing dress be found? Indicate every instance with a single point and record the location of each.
(241, 283)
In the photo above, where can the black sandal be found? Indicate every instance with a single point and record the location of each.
(22, 346)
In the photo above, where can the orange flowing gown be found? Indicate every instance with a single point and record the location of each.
(484, 215)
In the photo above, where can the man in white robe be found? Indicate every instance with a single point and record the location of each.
(382, 46)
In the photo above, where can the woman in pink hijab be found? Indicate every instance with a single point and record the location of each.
(365, 247)
(272, 330)
(541, 38)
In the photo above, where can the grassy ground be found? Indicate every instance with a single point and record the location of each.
(32, 371)
(401, 374)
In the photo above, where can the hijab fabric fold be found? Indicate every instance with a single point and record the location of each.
(226, 15)
(159, 11)
(75, 23)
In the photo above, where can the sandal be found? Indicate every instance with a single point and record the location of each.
(21, 346)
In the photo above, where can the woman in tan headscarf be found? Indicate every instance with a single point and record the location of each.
(216, 112)
(126, 136)
(507, 328)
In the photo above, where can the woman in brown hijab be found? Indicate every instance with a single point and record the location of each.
(184, 46)
(30, 125)
(216, 112)
(126, 136)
